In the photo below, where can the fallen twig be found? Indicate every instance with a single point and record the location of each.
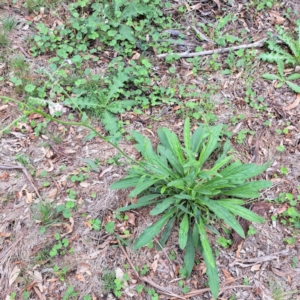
(245, 263)
(10, 167)
(257, 44)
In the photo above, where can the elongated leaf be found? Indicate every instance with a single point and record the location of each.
(166, 233)
(170, 157)
(150, 232)
(242, 212)
(205, 244)
(294, 76)
(211, 144)
(243, 171)
(170, 141)
(161, 207)
(198, 137)
(212, 274)
(270, 77)
(189, 256)
(124, 183)
(147, 198)
(183, 231)
(222, 213)
(187, 134)
(233, 201)
(140, 187)
(249, 189)
(294, 87)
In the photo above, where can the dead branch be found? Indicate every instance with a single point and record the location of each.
(257, 44)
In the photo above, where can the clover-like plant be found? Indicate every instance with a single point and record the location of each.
(194, 184)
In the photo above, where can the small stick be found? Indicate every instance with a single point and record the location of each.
(257, 44)
(9, 167)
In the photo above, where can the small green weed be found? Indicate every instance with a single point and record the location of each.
(263, 4)
(61, 246)
(224, 242)
(282, 79)
(194, 184)
(8, 23)
(70, 294)
(4, 41)
(96, 224)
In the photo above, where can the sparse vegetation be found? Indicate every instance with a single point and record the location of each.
(76, 77)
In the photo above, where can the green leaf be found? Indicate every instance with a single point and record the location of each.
(126, 32)
(198, 137)
(238, 171)
(187, 134)
(170, 141)
(294, 76)
(150, 232)
(29, 88)
(205, 244)
(270, 77)
(212, 274)
(134, 9)
(211, 144)
(280, 66)
(189, 256)
(222, 213)
(294, 87)
(183, 231)
(161, 207)
(142, 186)
(242, 212)
(249, 189)
(125, 183)
(110, 122)
(148, 198)
(166, 233)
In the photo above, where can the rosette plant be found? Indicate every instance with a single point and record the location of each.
(193, 184)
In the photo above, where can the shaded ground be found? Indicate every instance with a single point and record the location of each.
(264, 266)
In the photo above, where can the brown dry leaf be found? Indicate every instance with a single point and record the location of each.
(276, 18)
(2, 234)
(38, 278)
(237, 254)
(14, 275)
(155, 262)
(294, 104)
(41, 297)
(136, 56)
(29, 197)
(80, 277)
(227, 275)
(255, 268)
(69, 227)
(84, 184)
(196, 6)
(3, 107)
(4, 176)
(281, 209)
(52, 193)
(131, 218)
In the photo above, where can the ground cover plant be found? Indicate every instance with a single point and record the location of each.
(138, 142)
(182, 185)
